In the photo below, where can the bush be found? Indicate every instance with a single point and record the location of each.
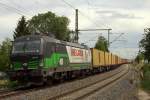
(5, 49)
(145, 82)
(5, 82)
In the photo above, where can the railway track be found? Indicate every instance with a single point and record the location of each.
(7, 93)
(17, 91)
(63, 94)
(86, 91)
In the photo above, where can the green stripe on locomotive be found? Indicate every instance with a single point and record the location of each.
(50, 62)
(53, 61)
(31, 64)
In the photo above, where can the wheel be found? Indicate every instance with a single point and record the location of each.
(49, 81)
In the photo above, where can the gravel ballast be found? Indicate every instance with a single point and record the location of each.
(124, 89)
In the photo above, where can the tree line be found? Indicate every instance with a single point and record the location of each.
(48, 23)
(45, 23)
(144, 44)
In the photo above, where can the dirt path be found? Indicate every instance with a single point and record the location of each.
(143, 95)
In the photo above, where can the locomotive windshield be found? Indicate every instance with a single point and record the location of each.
(26, 47)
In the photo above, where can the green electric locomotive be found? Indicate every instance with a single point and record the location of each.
(37, 59)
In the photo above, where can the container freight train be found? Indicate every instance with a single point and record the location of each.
(38, 59)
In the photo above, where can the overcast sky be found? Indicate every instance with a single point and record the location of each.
(122, 16)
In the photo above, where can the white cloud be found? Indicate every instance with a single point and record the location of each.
(129, 53)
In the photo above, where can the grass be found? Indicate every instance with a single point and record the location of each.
(3, 84)
(145, 81)
(6, 84)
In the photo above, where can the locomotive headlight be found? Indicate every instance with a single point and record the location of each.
(25, 64)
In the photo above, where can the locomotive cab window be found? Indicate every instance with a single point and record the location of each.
(49, 49)
(60, 48)
(27, 46)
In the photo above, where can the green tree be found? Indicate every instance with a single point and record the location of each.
(139, 57)
(22, 28)
(101, 44)
(52, 24)
(5, 49)
(145, 44)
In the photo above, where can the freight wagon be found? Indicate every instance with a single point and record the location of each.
(40, 59)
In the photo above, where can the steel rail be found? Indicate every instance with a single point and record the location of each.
(78, 89)
(102, 87)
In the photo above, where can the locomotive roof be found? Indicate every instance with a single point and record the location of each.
(49, 39)
(25, 38)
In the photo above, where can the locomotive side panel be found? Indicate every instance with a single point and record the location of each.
(55, 55)
(79, 57)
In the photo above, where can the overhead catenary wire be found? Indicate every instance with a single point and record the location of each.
(92, 39)
(8, 7)
(71, 6)
(12, 2)
(116, 38)
(88, 18)
(97, 25)
(88, 3)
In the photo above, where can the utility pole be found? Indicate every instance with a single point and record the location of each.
(76, 26)
(108, 36)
